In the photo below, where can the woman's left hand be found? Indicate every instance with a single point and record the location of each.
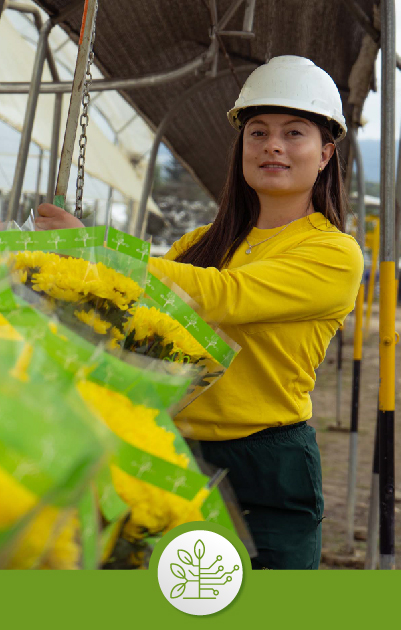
(54, 218)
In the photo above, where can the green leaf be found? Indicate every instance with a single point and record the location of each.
(185, 557)
(199, 549)
(177, 590)
(177, 570)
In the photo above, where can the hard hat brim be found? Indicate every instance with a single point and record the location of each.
(339, 122)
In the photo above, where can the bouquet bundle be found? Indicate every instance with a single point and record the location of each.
(139, 478)
(106, 295)
(48, 455)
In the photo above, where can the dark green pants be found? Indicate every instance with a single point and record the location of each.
(276, 476)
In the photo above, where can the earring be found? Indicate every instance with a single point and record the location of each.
(320, 169)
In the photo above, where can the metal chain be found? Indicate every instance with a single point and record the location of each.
(84, 121)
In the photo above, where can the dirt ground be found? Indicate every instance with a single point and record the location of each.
(334, 446)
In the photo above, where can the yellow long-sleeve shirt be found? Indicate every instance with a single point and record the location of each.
(282, 303)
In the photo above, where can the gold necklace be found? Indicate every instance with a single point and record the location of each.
(249, 250)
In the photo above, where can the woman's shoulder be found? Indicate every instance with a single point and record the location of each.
(186, 241)
(332, 241)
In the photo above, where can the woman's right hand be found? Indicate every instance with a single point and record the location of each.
(55, 218)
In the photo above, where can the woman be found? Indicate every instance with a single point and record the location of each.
(276, 270)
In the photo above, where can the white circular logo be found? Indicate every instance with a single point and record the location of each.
(200, 572)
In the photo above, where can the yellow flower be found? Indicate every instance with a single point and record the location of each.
(148, 322)
(134, 424)
(153, 509)
(75, 279)
(116, 337)
(20, 276)
(20, 369)
(36, 541)
(7, 331)
(92, 319)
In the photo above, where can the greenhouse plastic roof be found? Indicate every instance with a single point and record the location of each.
(136, 39)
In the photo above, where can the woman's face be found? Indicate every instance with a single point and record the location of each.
(282, 154)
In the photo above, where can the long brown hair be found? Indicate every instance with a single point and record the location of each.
(239, 208)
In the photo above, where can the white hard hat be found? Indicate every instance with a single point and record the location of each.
(293, 83)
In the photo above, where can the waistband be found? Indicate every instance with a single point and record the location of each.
(272, 432)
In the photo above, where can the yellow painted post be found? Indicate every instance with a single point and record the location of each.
(387, 289)
(387, 337)
(358, 336)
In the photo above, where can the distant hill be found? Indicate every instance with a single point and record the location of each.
(371, 159)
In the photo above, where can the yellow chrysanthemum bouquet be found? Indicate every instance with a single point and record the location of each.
(134, 349)
(140, 477)
(106, 295)
(166, 326)
(50, 450)
(74, 276)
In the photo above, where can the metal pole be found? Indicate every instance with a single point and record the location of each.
(28, 121)
(130, 215)
(101, 85)
(340, 332)
(27, 8)
(387, 288)
(95, 211)
(397, 221)
(213, 36)
(228, 14)
(88, 22)
(53, 158)
(373, 518)
(109, 208)
(358, 336)
(372, 278)
(51, 183)
(147, 185)
(340, 343)
(247, 24)
(38, 178)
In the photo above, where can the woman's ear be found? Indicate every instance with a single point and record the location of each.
(327, 154)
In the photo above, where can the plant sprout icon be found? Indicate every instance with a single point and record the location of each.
(205, 580)
(213, 341)
(143, 251)
(120, 240)
(55, 238)
(169, 299)
(150, 285)
(192, 321)
(26, 240)
(83, 236)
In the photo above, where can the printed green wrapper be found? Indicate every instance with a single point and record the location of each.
(122, 253)
(52, 450)
(184, 482)
(53, 240)
(73, 355)
(129, 255)
(223, 350)
(173, 304)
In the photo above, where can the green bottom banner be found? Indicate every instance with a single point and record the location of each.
(85, 600)
(199, 573)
